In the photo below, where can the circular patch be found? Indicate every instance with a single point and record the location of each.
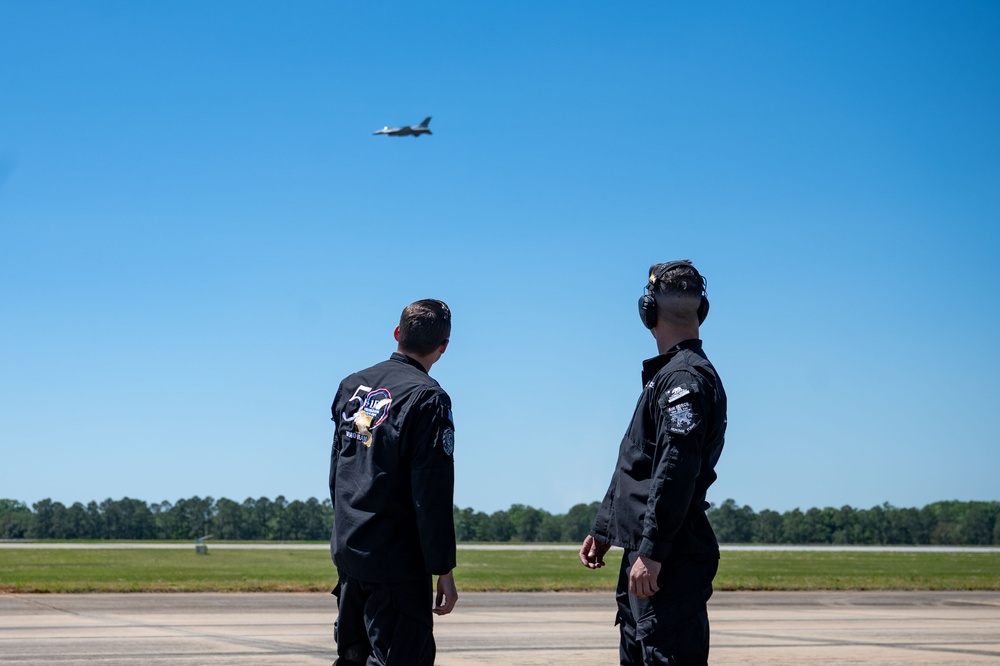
(448, 442)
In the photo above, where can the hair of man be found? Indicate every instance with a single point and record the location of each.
(678, 289)
(424, 325)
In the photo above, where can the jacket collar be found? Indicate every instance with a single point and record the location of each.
(653, 365)
(403, 358)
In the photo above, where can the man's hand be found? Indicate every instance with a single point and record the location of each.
(592, 552)
(642, 578)
(447, 594)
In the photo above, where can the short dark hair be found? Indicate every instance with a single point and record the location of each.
(424, 325)
(677, 278)
(678, 288)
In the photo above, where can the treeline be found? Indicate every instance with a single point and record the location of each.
(525, 524)
(940, 523)
(252, 520)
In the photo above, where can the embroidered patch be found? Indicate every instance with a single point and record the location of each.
(448, 442)
(682, 420)
(649, 384)
(376, 406)
(373, 411)
(677, 393)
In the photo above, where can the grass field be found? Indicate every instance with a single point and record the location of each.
(125, 570)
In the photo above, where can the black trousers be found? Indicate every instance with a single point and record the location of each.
(671, 627)
(380, 624)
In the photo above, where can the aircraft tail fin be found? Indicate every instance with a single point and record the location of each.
(427, 121)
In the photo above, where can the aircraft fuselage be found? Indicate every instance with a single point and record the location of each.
(411, 130)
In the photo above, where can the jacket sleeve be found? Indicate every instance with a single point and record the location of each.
(334, 459)
(432, 469)
(680, 435)
(335, 448)
(601, 529)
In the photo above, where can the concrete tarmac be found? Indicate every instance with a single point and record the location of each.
(774, 628)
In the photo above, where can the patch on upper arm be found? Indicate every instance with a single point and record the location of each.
(445, 424)
(448, 442)
(676, 393)
(682, 418)
(678, 405)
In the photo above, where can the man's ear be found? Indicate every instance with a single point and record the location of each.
(395, 334)
(443, 346)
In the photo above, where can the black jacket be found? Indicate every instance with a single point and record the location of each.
(656, 501)
(392, 474)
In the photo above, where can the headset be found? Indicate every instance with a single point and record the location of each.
(647, 303)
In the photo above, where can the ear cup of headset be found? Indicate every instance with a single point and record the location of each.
(647, 311)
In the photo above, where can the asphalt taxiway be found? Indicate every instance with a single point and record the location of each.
(775, 628)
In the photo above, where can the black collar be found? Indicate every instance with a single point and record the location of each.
(399, 356)
(653, 365)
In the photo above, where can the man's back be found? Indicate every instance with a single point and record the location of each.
(392, 478)
(392, 474)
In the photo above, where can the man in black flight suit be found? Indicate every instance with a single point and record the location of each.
(655, 505)
(392, 480)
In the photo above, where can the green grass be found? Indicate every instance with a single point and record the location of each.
(808, 570)
(122, 570)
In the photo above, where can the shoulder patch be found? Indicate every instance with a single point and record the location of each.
(682, 418)
(448, 442)
(677, 393)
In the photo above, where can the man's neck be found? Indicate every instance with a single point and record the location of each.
(669, 337)
(426, 360)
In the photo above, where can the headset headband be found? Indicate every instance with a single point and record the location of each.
(659, 273)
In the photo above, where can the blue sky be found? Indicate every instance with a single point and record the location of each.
(199, 236)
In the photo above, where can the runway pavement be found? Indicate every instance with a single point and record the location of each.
(871, 628)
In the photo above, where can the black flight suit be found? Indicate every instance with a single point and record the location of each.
(392, 480)
(655, 507)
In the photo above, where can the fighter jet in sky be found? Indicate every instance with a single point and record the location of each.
(412, 130)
